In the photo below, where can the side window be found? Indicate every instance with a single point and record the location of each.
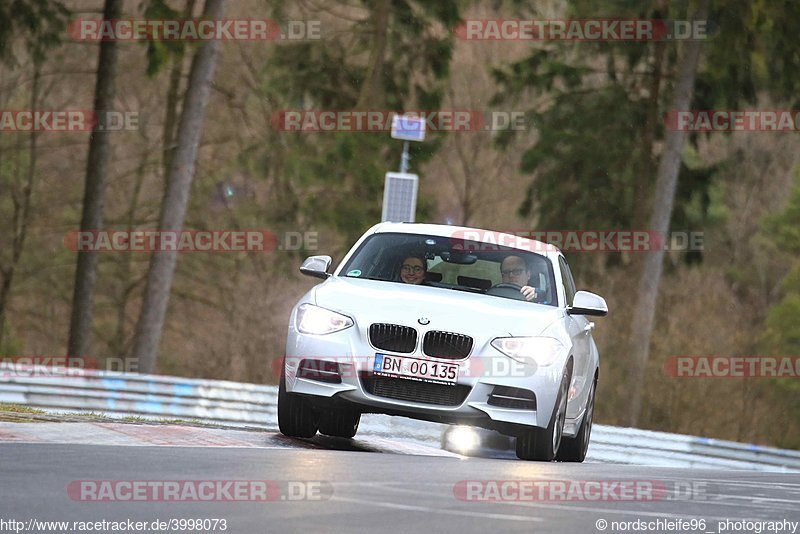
(569, 283)
(543, 279)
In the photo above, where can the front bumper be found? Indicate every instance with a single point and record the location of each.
(479, 375)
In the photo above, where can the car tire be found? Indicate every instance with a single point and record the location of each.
(542, 444)
(340, 422)
(296, 417)
(574, 449)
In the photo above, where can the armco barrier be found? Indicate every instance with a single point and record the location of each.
(253, 405)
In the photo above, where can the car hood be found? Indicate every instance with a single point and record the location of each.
(372, 301)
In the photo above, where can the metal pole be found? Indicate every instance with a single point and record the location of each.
(404, 158)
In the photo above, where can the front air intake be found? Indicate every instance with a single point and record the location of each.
(320, 370)
(515, 398)
(393, 337)
(447, 345)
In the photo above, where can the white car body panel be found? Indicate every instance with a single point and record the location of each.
(479, 316)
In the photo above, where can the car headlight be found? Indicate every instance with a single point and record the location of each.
(315, 320)
(541, 351)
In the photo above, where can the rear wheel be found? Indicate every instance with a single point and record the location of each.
(574, 449)
(542, 444)
(340, 422)
(296, 417)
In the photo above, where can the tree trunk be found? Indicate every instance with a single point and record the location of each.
(372, 89)
(173, 207)
(666, 185)
(97, 165)
(22, 207)
(641, 199)
(173, 98)
(127, 286)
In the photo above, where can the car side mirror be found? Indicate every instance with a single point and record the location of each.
(316, 266)
(586, 303)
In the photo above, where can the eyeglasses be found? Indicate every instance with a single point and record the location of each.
(512, 272)
(416, 269)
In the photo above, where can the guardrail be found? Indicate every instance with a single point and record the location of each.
(237, 404)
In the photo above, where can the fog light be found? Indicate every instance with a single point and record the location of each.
(463, 439)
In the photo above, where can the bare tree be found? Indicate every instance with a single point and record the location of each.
(372, 88)
(97, 166)
(176, 196)
(666, 186)
(173, 97)
(21, 194)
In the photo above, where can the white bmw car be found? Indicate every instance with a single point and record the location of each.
(446, 324)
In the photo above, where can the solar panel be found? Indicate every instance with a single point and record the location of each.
(408, 128)
(399, 197)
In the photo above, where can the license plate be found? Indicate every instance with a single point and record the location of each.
(415, 369)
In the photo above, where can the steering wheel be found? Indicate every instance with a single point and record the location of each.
(511, 291)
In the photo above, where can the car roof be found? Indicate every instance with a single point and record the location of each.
(468, 233)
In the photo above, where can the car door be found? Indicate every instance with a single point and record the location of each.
(579, 329)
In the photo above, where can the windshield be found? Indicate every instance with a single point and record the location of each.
(434, 261)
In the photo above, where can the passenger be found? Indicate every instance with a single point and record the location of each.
(413, 270)
(515, 271)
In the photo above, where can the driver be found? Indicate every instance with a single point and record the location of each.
(515, 271)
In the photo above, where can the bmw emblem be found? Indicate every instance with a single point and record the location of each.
(423, 320)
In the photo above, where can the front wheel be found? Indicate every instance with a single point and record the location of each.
(340, 422)
(574, 449)
(296, 417)
(542, 444)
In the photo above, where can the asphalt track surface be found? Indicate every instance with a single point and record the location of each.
(373, 488)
